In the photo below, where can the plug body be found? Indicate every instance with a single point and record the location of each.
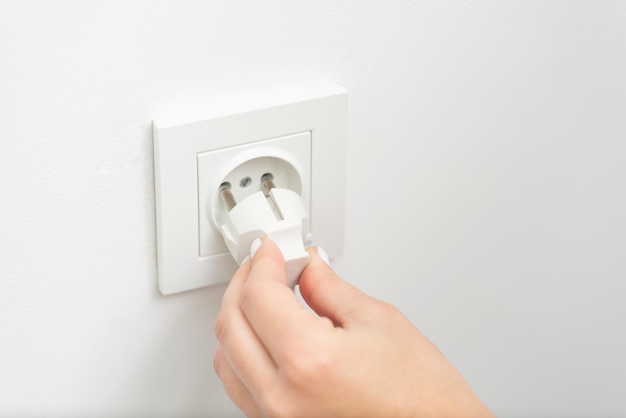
(279, 215)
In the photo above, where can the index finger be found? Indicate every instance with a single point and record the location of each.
(241, 347)
(274, 312)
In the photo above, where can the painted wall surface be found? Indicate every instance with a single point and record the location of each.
(486, 190)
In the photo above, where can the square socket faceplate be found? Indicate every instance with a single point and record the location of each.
(194, 153)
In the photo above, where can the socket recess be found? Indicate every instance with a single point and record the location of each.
(298, 137)
(287, 158)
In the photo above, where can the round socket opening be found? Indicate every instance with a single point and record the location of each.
(248, 178)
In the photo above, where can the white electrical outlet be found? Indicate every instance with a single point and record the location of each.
(298, 137)
(287, 158)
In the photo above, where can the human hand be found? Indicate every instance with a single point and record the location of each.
(358, 357)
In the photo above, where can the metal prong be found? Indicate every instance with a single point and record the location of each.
(227, 195)
(267, 183)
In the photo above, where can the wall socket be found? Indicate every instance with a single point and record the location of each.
(300, 137)
(287, 158)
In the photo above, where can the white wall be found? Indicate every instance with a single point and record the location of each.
(486, 195)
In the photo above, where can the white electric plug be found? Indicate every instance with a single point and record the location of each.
(276, 213)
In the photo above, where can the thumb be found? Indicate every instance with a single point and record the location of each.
(331, 296)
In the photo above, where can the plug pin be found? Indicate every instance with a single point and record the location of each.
(227, 195)
(267, 183)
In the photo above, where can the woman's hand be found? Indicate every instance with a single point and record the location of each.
(358, 357)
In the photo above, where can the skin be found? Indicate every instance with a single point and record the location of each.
(351, 356)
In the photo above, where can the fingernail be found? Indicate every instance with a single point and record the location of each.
(308, 240)
(245, 260)
(323, 255)
(256, 244)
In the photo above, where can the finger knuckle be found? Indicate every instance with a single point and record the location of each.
(221, 326)
(270, 407)
(275, 405)
(247, 296)
(216, 363)
(306, 368)
(386, 309)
